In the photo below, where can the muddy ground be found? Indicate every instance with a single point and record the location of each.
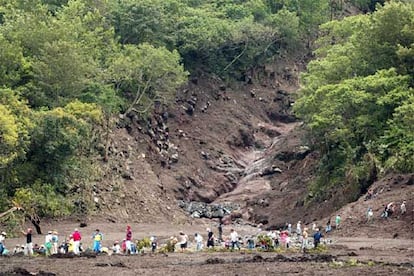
(344, 256)
(232, 263)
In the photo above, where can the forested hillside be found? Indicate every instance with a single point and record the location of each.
(357, 99)
(72, 71)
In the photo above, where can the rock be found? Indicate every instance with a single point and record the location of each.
(270, 171)
(204, 155)
(280, 117)
(174, 158)
(204, 210)
(288, 156)
(189, 110)
(127, 176)
(195, 214)
(215, 261)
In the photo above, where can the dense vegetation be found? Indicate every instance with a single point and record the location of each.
(68, 66)
(358, 99)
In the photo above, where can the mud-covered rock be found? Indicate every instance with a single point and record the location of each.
(205, 210)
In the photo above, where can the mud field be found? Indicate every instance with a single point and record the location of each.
(344, 256)
(206, 264)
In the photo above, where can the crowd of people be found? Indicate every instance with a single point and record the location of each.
(52, 244)
(300, 236)
(75, 243)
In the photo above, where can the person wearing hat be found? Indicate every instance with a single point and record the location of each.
(2, 238)
(28, 251)
(76, 241)
(55, 242)
(116, 249)
(48, 243)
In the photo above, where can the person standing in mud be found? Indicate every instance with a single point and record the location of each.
(370, 214)
(317, 238)
(2, 238)
(234, 238)
(328, 226)
(337, 222)
(305, 236)
(284, 238)
(210, 238)
(55, 242)
(128, 240)
(76, 236)
(298, 228)
(199, 241)
(48, 243)
(220, 230)
(97, 239)
(154, 243)
(71, 244)
(403, 208)
(183, 241)
(28, 250)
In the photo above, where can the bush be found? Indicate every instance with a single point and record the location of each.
(265, 242)
(168, 247)
(41, 199)
(145, 242)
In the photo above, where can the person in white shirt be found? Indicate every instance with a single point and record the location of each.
(234, 238)
(199, 241)
(403, 208)
(370, 215)
(116, 249)
(48, 243)
(2, 238)
(299, 228)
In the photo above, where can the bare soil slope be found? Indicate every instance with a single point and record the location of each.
(235, 143)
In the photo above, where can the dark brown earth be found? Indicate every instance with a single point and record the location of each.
(344, 256)
(239, 144)
(355, 253)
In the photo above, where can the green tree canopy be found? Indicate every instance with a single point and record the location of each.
(356, 96)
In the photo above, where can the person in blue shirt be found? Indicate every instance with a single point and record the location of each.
(317, 238)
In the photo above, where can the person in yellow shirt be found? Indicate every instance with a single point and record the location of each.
(71, 244)
(97, 238)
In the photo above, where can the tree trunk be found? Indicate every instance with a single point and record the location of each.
(35, 220)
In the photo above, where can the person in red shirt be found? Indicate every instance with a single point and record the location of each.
(76, 241)
(128, 239)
